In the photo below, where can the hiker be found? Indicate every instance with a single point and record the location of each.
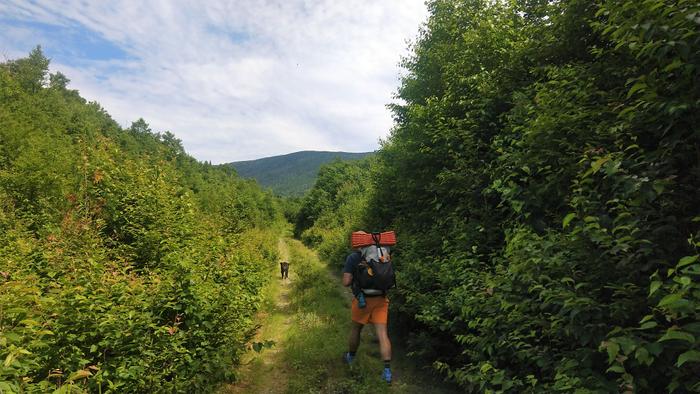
(370, 304)
(284, 268)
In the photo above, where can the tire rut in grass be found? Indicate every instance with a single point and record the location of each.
(266, 371)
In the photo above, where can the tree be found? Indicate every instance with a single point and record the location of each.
(31, 71)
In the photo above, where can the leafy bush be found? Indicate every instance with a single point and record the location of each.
(335, 207)
(127, 266)
(543, 179)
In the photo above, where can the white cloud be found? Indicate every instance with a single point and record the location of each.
(237, 80)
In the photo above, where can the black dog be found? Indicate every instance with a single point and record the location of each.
(284, 267)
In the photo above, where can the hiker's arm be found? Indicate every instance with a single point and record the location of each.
(347, 279)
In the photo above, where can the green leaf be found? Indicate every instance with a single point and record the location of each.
(669, 299)
(674, 65)
(655, 348)
(642, 355)
(595, 166)
(612, 348)
(567, 219)
(654, 286)
(9, 359)
(648, 325)
(646, 319)
(687, 260)
(627, 344)
(677, 335)
(30, 322)
(639, 86)
(83, 373)
(486, 367)
(690, 355)
(65, 389)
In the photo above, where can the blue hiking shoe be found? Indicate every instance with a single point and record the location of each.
(386, 375)
(348, 358)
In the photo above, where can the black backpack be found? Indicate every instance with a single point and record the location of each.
(375, 271)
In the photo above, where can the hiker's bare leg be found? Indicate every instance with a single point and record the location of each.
(384, 342)
(354, 340)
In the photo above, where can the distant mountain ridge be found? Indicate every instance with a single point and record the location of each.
(292, 174)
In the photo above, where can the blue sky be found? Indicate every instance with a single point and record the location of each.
(234, 80)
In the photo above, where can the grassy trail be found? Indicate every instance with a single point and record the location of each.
(308, 318)
(264, 371)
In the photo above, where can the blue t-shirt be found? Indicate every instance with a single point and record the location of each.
(351, 262)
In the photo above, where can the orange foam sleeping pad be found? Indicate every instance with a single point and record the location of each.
(359, 239)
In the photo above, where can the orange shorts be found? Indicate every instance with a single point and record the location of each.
(376, 311)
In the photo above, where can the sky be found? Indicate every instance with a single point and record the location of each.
(234, 80)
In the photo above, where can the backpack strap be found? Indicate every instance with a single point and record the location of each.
(376, 237)
(355, 283)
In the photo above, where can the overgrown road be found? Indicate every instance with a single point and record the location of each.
(307, 318)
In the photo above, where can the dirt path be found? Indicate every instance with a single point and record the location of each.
(264, 371)
(307, 317)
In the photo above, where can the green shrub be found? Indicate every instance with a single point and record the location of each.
(543, 179)
(127, 266)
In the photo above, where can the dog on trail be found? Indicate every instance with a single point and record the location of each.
(284, 268)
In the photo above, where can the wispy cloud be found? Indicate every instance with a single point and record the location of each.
(234, 80)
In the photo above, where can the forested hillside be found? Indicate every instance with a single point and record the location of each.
(293, 174)
(125, 264)
(543, 178)
(330, 211)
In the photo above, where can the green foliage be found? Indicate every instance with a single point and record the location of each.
(127, 266)
(543, 178)
(31, 72)
(334, 208)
